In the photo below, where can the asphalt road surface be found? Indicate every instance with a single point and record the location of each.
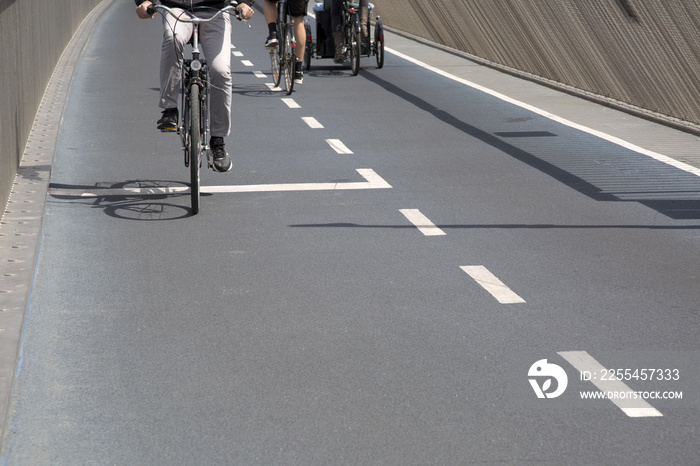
(401, 268)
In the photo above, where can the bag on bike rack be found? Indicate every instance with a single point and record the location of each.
(325, 47)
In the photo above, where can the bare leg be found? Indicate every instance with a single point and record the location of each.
(300, 37)
(270, 11)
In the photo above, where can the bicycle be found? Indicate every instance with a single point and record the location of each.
(355, 46)
(282, 56)
(194, 97)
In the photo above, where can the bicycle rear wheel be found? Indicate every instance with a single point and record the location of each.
(288, 59)
(195, 146)
(379, 42)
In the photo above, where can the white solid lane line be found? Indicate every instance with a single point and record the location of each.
(633, 407)
(492, 284)
(422, 222)
(600, 134)
(338, 146)
(372, 181)
(312, 122)
(99, 192)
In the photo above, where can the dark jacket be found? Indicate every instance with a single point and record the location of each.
(191, 4)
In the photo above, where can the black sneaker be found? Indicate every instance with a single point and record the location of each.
(272, 40)
(222, 162)
(298, 73)
(168, 122)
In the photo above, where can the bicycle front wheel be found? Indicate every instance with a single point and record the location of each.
(355, 46)
(195, 146)
(289, 59)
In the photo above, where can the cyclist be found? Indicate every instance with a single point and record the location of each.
(215, 38)
(337, 27)
(297, 10)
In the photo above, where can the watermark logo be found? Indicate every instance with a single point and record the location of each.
(541, 375)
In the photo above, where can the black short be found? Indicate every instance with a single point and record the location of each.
(297, 7)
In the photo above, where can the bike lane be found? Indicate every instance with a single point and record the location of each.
(154, 346)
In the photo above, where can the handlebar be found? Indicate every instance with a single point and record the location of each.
(232, 7)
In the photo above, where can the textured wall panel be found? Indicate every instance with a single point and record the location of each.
(33, 34)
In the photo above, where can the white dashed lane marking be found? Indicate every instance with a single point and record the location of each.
(290, 102)
(633, 407)
(492, 284)
(338, 146)
(312, 122)
(422, 222)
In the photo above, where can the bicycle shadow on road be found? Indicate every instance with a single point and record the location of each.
(140, 200)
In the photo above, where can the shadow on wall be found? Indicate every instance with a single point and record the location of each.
(643, 55)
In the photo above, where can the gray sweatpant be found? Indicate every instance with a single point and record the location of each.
(215, 43)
